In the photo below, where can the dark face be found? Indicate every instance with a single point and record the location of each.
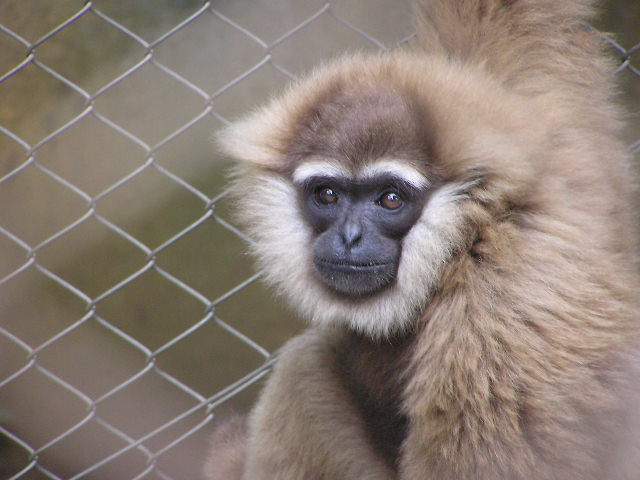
(359, 228)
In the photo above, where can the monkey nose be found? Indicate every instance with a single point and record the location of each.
(351, 233)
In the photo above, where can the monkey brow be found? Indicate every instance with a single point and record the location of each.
(393, 168)
(400, 171)
(317, 169)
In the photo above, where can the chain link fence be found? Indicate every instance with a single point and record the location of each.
(130, 316)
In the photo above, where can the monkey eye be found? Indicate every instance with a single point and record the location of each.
(391, 201)
(326, 195)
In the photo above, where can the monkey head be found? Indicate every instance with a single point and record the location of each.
(354, 183)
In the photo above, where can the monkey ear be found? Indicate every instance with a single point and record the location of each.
(258, 138)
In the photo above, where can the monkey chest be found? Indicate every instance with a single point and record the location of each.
(371, 374)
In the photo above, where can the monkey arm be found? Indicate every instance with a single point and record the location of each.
(305, 425)
(228, 452)
(533, 46)
(504, 383)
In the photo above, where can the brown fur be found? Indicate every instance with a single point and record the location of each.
(226, 460)
(518, 363)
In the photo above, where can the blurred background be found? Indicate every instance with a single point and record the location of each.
(131, 319)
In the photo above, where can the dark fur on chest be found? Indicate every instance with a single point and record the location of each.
(372, 374)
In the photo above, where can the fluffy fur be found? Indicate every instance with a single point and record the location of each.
(226, 461)
(504, 349)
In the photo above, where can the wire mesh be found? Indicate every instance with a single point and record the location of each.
(126, 324)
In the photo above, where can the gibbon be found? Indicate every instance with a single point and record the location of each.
(456, 222)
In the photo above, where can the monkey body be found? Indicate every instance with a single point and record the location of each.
(456, 222)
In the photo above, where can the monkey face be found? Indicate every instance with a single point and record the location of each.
(359, 225)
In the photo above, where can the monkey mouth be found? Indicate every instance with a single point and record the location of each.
(353, 266)
(355, 279)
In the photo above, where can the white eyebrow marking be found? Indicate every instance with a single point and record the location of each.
(397, 168)
(319, 169)
(323, 168)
